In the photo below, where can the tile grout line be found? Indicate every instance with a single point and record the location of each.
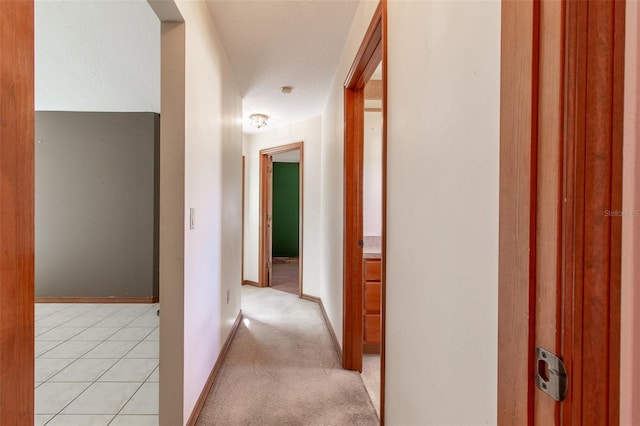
(117, 359)
(86, 328)
(71, 319)
(143, 382)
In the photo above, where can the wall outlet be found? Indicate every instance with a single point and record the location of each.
(228, 295)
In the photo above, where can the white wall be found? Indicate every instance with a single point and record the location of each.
(442, 247)
(213, 167)
(97, 56)
(201, 152)
(372, 174)
(332, 172)
(308, 132)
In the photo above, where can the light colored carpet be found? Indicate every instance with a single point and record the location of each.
(371, 378)
(282, 369)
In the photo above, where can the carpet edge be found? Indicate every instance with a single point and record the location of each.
(197, 409)
(334, 337)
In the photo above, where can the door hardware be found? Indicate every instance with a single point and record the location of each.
(551, 374)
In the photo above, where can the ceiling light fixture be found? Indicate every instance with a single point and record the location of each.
(258, 120)
(286, 89)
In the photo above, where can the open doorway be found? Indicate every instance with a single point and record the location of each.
(364, 212)
(372, 234)
(281, 195)
(96, 213)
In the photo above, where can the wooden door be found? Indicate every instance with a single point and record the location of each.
(560, 177)
(269, 247)
(16, 213)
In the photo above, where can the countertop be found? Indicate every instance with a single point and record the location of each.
(372, 247)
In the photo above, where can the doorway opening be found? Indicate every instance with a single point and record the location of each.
(372, 234)
(281, 196)
(365, 210)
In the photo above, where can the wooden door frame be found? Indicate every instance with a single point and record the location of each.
(243, 206)
(17, 192)
(264, 188)
(372, 51)
(590, 241)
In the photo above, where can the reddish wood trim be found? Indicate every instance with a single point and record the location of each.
(590, 69)
(371, 53)
(214, 372)
(518, 124)
(243, 206)
(572, 219)
(264, 188)
(593, 173)
(617, 135)
(253, 283)
(16, 213)
(283, 148)
(334, 337)
(114, 299)
(548, 205)
(301, 221)
(352, 287)
(264, 209)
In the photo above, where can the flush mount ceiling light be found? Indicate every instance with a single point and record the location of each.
(258, 120)
(286, 89)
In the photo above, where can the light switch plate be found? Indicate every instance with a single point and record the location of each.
(192, 218)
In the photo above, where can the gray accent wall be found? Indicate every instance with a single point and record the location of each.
(96, 204)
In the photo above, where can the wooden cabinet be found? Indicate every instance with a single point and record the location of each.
(371, 306)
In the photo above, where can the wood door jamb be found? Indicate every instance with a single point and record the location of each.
(264, 153)
(372, 51)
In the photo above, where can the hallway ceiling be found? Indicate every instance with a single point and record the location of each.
(283, 43)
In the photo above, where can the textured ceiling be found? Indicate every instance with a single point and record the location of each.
(283, 43)
(96, 56)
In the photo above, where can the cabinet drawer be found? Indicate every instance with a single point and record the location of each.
(372, 270)
(372, 328)
(372, 297)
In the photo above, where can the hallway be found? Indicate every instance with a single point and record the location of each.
(282, 369)
(512, 154)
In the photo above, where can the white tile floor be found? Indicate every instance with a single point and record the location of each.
(96, 364)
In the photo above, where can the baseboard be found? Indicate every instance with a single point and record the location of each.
(114, 299)
(207, 386)
(334, 338)
(248, 282)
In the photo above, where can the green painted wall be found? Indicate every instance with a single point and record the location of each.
(286, 205)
